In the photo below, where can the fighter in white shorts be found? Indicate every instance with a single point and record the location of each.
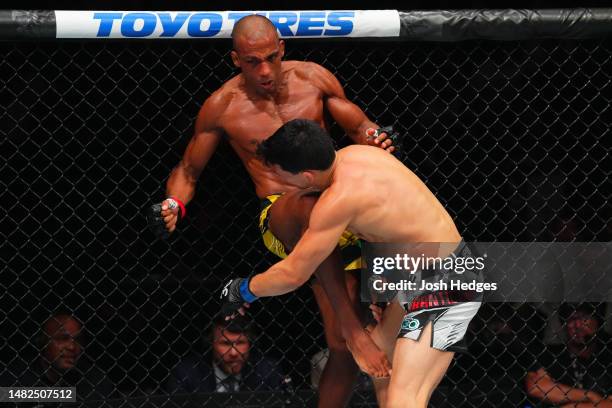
(352, 182)
(450, 311)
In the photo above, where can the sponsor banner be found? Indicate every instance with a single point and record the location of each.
(442, 273)
(219, 24)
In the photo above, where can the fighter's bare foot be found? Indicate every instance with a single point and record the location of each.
(368, 356)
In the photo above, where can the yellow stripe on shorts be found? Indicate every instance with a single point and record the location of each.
(347, 241)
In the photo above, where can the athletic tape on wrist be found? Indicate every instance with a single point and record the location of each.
(181, 206)
(245, 292)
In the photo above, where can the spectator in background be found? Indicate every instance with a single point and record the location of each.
(233, 366)
(578, 374)
(564, 228)
(505, 339)
(61, 362)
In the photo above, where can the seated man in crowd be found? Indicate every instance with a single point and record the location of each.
(505, 337)
(61, 362)
(578, 374)
(232, 367)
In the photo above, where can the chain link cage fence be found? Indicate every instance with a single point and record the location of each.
(512, 137)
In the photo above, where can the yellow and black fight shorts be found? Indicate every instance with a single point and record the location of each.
(350, 246)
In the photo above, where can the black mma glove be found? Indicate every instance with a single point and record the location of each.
(234, 295)
(394, 136)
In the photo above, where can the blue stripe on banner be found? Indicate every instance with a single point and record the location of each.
(219, 24)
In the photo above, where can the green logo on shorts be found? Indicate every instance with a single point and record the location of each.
(410, 323)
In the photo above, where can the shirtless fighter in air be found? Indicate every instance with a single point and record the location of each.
(247, 109)
(377, 198)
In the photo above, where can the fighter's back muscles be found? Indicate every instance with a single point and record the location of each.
(328, 220)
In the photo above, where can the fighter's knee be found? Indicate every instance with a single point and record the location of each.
(289, 217)
(305, 204)
(301, 207)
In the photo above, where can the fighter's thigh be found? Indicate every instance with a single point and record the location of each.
(289, 215)
(417, 367)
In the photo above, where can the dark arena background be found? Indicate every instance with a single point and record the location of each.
(508, 126)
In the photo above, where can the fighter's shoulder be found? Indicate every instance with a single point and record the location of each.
(218, 102)
(225, 94)
(334, 203)
(305, 69)
(351, 172)
(312, 72)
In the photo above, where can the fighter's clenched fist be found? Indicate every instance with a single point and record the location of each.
(163, 217)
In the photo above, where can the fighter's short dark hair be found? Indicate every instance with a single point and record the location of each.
(298, 145)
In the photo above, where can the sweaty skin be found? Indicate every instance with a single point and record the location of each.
(249, 108)
(246, 118)
(354, 185)
(373, 195)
